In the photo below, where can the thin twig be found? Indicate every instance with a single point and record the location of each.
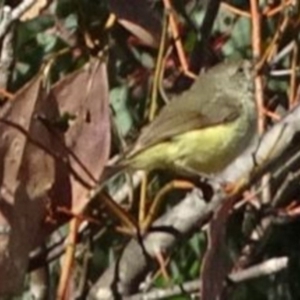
(293, 78)
(68, 260)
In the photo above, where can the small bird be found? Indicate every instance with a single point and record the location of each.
(203, 129)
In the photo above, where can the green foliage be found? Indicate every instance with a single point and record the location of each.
(69, 33)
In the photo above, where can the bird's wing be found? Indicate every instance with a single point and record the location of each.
(189, 114)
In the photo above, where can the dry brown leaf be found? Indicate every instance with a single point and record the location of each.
(139, 18)
(216, 263)
(39, 161)
(27, 174)
(84, 96)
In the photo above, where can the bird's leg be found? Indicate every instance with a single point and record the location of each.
(163, 263)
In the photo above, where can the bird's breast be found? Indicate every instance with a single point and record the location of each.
(207, 150)
(212, 149)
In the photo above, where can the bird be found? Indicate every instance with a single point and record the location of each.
(202, 130)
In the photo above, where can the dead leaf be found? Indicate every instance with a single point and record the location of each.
(27, 174)
(216, 263)
(43, 163)
(83, 96)
(139, 18)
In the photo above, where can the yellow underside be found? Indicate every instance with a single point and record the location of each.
(205, 151)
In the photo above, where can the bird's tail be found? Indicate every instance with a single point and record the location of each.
(111, 171)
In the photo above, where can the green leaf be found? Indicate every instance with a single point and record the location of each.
(122, 113)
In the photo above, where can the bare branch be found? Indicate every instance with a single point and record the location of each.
(125, 275)
(6, 56)
(15, 15)
(269, 267)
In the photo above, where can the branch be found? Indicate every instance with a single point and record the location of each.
(123, 277)
(269, 267)
(15, 15)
